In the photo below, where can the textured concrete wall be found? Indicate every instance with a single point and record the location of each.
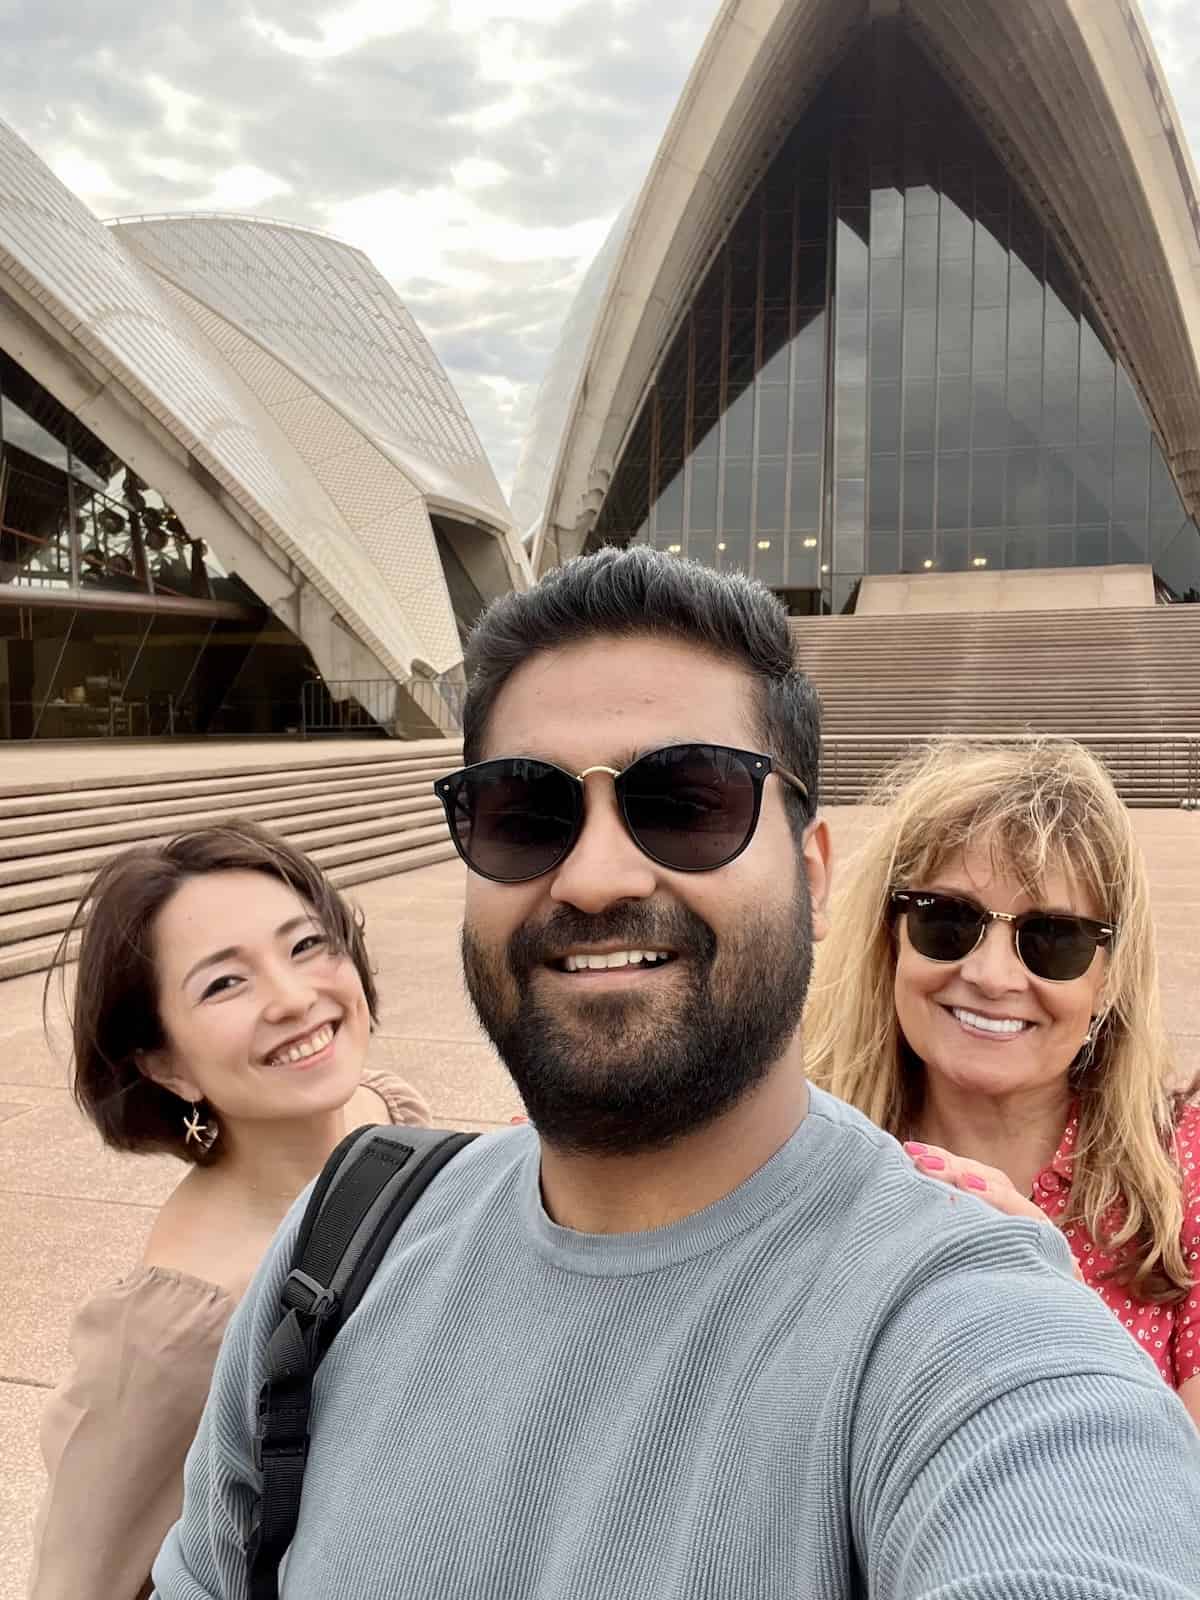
(1054, 589)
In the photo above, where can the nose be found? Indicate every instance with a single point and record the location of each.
(288, 990)
(993, 966)
(605, 866)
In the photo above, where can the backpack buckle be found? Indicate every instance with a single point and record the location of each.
(306, 1296)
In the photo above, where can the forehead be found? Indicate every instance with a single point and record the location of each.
(1003, 885)
(605, 700)
(216, 909)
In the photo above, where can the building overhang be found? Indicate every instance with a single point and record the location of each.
(1074, 99)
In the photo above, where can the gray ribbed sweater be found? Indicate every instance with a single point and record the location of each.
(841, 1380)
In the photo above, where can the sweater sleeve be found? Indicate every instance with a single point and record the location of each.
(115, 1433)
(1014, 1444)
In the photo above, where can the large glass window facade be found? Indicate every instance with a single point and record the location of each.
(114, 620)
(891, 367)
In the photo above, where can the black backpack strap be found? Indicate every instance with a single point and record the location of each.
(367, 1188)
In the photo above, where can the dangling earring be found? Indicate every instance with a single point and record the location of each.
(204, 1133)
(1082, 1063)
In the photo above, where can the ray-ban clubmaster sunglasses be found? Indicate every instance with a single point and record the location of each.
(689, 807)
(1050, 944)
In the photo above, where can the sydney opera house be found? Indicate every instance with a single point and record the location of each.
(913, 287)
(232, 468)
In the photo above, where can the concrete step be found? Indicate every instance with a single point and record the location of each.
(343, 806)
(441, 752)
(171, 797)
(172, 813)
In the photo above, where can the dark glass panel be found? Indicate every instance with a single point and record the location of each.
(1060, 407)
(885, 418)
(1024, 405)
(954, 414)
(805, 493)
(955, 284)
(952, 553)
(887, 281)
(957, 233)
(887, 222)
(954, 348)
(804, 561)
(851, 424)
(1021, 551)
(770, 516)
(920, 344)
(987, 551)
(1025, 499)
(991, 268)
(809, 351)
(777, 354)
(812, 269)
(706, 415)
(808, 421)
(954, 491)
(1131, 420)
(1096, 412)
(1093, 485)
(769, 559)
(990, 414)
(736, 504)
(849, 551)
(987, 488)
(884, 493)
(849, 506)
(739, 426)
(668, 510)
(885, 346)
(1059, 469)
(702, 515)
(883, 552)
(1025, 328)
(1092, 546)
(773, 422)
(920, 405)
(1060, 547)
(853, 264)
(1095, 363)
(918, 553)
(1129, 543)
(918, 492)
(990, 339)
(1131, 479)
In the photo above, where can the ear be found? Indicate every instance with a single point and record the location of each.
(159, 1067)
(817, 860)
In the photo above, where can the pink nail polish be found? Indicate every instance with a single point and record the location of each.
(933, 1163)
(973, 1182)
(916, 1149)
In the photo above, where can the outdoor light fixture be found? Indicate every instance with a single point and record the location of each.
(764, 544)
(928, 564)
(674, 549)
(720, 547)
(810, 544)
(980, 561)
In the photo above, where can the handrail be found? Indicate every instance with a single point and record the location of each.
(341, 706)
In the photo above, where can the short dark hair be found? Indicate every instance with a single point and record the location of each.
(115, 1014)
(637, 591)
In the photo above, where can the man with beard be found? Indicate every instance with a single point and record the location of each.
(699, 1332)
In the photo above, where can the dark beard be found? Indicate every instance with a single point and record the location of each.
(618, 1074)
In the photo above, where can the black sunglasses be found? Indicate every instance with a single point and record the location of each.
(689, 807)
(1050, 944)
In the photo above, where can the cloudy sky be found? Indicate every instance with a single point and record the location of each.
(478, 150)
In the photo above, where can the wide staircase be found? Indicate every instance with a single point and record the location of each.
(361, 816)
(1126, 683)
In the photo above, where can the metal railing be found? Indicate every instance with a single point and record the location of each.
(422, 708)
(1147, 770)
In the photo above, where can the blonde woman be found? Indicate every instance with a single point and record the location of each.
(989, 996)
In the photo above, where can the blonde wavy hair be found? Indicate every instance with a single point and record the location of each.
(1036, 806)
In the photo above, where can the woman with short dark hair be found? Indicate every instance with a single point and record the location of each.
(222, 1011)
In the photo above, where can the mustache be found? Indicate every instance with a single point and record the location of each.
(636, 926)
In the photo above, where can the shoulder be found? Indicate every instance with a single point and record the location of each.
(400, 1102)
(154, 1309)
(198, 1236)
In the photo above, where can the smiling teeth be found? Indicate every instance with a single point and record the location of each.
(972, 1019)
(311, 1046)
(618, 958)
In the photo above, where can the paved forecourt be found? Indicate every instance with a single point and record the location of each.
(74, 1216)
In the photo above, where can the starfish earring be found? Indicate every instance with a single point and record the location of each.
(203, 1133)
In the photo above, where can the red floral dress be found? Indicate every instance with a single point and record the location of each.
(1170, 1335)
